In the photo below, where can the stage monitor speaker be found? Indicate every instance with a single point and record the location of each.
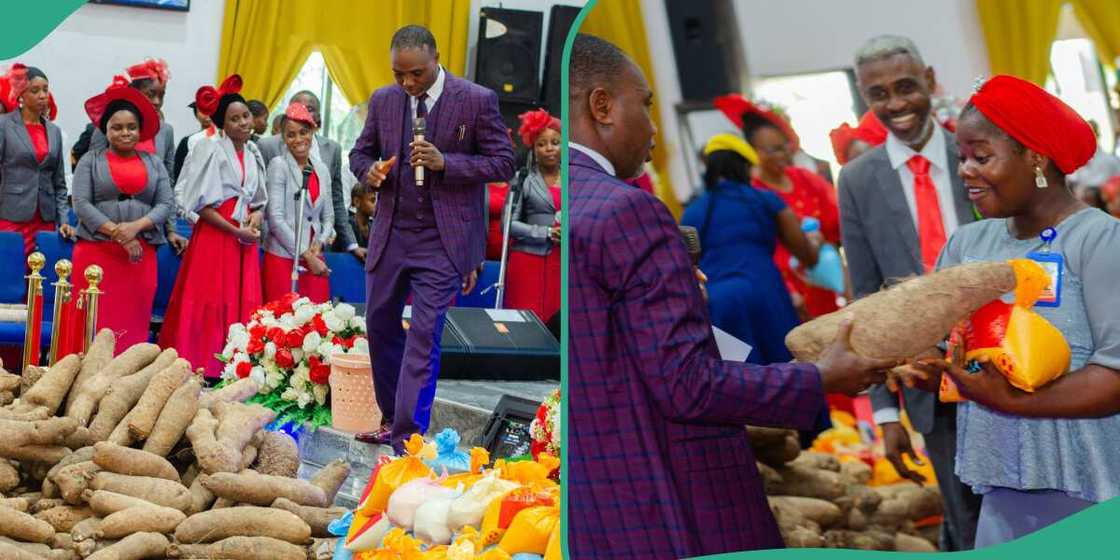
(560, 21)
(496, 344)
(509, 53)
(507, 433)
(706, 47)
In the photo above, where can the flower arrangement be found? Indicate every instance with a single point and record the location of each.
(545, 428)
(286, 347)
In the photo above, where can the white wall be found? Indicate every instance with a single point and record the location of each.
(801, 36)
(96, 42)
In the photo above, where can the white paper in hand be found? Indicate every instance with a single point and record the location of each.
(731, 349)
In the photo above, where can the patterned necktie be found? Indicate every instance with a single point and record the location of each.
(422, 106)
(931, 229)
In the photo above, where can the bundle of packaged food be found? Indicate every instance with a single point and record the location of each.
(409, 511)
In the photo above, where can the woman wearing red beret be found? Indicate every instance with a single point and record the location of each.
(221, 189)
(123, 198)
(1039, 457)
(534, 258)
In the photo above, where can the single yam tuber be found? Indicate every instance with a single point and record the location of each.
(39, 454)
(212, 456)
(770, 477)
(123, 460)
(159, 491)
(777, 455)
(201, 498)
(18, 504)
(802, 537)
(238, 391)
(910, 543)
(85, 529)
(23, 527)
(246, 521)
(173, 420)
(31, 376)
(40, 432)
(142, 519)
(105, 503)
(134, 547)
(250, 487)
(44, 504)
(810, 483)
(93, 388)
(248, 457)
(9, 382)
(857, 472)
(817, 460)
(151, 403)
(331, 478)
(73, 479)
(278, 455)
(766, 437)
(821, 512)
(9, 477)
(51, 389)
(883, 324)
(238, 423)
(124, 394)
(240, 548)
(315, 517)
(13, 552)
(64, 518)
(863, 540)
(99, 354)
(24, 412)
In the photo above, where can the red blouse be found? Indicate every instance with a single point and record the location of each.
(129, 174)
(241, 160)
(38, 135)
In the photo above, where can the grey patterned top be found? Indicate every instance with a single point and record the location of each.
(1078, 457)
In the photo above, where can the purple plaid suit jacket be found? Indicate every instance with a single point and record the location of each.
(660, 464)
(482, 153)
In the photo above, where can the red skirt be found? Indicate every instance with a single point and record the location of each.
(533, 282)
(128, 289)
(28, 229)
(278, 281)
(219, 283)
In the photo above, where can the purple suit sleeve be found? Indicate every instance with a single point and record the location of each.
(668, 332)
(367, 148)
(493, 158)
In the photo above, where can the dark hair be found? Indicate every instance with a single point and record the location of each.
(257, 107)
(115, 107)
(141, 83)
(594, 63)
(219, 116)
(413, 37)
(725, 165)
(34, 72)
(308, 93)
(754, 122)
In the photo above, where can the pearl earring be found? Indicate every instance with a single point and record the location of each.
(1039, 178)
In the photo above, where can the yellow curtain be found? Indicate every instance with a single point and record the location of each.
(1019, 34)
(1101, 20)
(267, 41)
(620, 22)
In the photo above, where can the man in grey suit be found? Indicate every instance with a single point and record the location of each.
(331, 152)
(898, 204)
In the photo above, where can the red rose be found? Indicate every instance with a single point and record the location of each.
(284, 358)
(255, 346)
(275, 334)
(320, 374)
(243, 369)
(313, 361)
(258, 331)
(294, 338)
(338, 340)
(319, 325)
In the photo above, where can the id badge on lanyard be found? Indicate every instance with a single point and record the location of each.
(1053, 264)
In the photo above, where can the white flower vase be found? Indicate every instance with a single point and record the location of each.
(353, 402)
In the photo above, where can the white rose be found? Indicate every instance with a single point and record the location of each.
(270, 321)
(304, 399)
(257, 375)
(239, 340)
(344, 311)
(361, 346)
(334, 324)
(304, 314)
(320, 394)
(358, 323)
(274, 380)
(290, 394)
(302, 374)
(297, 355)
(269, 350)
(311, 341)
(227, 352)
(287, 322)
(229, 372)
(237, 328)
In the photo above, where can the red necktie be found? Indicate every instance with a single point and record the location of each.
(313, 186)
(931, 230)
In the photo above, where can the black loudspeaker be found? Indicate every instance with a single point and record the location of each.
(705, 46)
(509, 53)
(510, 108)
(502, 344)
(507, 432)
(560, 21)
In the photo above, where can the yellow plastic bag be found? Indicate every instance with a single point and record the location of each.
(552, 551)
(501, 512)
(530, 530)
(394, 475)
(530, 472)
(397, 546)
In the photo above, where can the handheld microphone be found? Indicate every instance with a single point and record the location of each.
(306, 181)
(691, 238)
(418, 126)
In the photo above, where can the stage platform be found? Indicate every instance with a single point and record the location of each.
(463, 405)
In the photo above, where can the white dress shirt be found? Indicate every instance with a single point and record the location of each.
(433, 94)
(595, 156)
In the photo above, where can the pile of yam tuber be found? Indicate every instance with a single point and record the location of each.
(126, 457)
(821, 502)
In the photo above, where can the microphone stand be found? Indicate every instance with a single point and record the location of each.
(299, 197)
(507, 221)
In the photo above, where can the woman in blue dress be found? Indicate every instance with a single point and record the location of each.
(1042, 456)
(739, 227)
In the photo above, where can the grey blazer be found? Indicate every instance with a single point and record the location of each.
(97, 199)
(533, 216)
(881, 244)
(284, 179)
(26, 184)
(331, 154)
(165, 150)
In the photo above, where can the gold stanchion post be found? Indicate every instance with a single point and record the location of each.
(90, 297)
(62, 290)
(31, 343)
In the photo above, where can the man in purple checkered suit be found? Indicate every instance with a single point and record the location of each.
(427, 239)
(659, 461)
